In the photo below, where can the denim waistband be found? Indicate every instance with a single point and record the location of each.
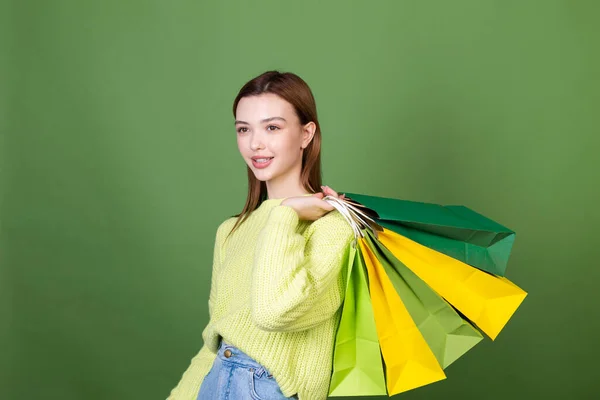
(237, 356)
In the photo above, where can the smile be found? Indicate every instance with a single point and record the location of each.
(261, 162)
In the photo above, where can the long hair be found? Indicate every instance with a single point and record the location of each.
(295, 91)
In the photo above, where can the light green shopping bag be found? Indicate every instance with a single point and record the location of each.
(357, 362)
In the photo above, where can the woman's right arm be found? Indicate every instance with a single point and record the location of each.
(189, 384)
(201, 363)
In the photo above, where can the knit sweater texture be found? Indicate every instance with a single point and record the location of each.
(277, 286)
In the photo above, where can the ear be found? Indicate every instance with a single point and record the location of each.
(308, 132)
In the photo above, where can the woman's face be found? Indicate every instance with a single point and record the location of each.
(267, 126)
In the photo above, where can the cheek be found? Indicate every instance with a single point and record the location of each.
(241, 144)
(287, 145)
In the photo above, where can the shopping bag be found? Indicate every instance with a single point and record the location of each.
(487, 300)
(447, 334)
(414, 292)
(409, 362)
(456, 231)
(357, 363)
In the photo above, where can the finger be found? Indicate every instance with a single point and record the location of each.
(327, 190)
(334, 193)
(326, 206)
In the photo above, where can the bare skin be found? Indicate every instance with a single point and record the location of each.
(313, 207)
(267, 126)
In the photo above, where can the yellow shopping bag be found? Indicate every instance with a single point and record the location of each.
(487, 300)
(408, 360)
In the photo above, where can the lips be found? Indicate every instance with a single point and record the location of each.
(261, 162)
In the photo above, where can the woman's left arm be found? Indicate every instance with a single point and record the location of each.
(296, 281)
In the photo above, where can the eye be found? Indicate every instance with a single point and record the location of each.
(242, 129)
(272, 126)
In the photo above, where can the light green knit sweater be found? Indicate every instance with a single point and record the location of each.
(277, 286)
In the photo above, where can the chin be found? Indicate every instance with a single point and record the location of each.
(262, 177)
(261, 174)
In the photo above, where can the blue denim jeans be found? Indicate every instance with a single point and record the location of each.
(236, 376)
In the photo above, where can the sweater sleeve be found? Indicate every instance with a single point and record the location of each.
(201, 363)
(297, 280)
(191, 380)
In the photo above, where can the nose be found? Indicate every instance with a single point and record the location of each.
(256, 143)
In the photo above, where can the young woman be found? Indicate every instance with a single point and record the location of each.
(278, 279)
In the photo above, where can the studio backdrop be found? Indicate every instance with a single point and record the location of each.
(119, 161)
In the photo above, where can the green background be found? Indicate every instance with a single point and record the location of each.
(119, 161)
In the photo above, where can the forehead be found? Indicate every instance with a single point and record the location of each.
(267, 105)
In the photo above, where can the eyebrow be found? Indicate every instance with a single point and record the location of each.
(263, 120)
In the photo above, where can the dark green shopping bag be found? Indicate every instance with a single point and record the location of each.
(456, 231)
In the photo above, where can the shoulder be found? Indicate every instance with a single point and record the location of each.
(223, 232)
(225, 227)
(332, 226)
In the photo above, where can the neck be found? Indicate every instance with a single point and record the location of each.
(285, 191)
(287, 184)
(272, 202)
(288, 194)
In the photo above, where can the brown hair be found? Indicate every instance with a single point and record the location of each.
(295, 91)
